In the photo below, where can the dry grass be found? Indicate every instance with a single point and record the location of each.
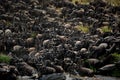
(116, 57)
(106, 29)
(82, 1)
(113, 2)
(82, 28)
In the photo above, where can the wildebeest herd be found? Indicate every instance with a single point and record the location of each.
(41, 38)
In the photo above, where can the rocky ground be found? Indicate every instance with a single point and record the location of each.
(55, 36)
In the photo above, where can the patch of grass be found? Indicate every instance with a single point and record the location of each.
(115, 73)
(33, 34)
(116, 57)
(114, 2)
(4, 58)
(106, 29)
(8, 23)
(82, 28)
(82, 1)
(90, 66)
